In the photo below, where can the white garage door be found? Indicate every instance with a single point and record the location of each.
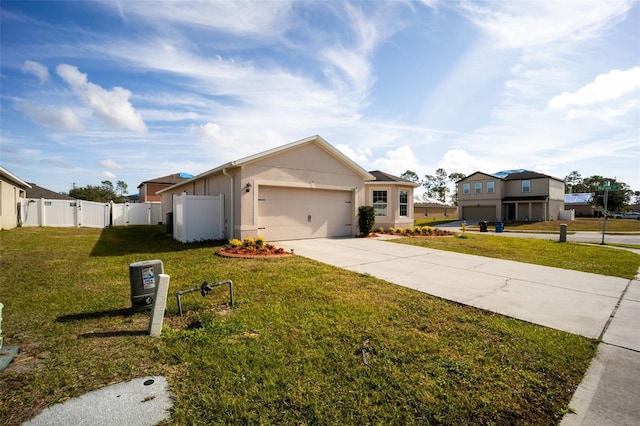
(298, 213)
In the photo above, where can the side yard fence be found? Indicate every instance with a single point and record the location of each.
(87, 214)
(197, 217)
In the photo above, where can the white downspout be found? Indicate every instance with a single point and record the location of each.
(232, 201)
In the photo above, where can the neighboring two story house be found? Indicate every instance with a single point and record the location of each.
(512, 195)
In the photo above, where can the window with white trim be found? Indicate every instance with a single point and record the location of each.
(526, 186)
(466, 188)
(478, 188)
(404, 203)
(380, 202)
(491, 187)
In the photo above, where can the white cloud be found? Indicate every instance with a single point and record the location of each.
(37, 69)
(253, 18)
(359, 155)
(460, 161)
(605, 87)
(398, 161)
(521, 24)
(110, 164)
(112, 106)
(59, 117)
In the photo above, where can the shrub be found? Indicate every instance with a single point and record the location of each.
(235, 243)
(249, 242)
(410, 230)
(392, 230)
(399, 230)
(260, 242)
(366, 219)
(380, 230)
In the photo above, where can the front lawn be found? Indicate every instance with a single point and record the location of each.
(305, 343)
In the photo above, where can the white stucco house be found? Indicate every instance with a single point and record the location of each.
(305, 189)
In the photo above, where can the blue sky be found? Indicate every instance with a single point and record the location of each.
(134, 90)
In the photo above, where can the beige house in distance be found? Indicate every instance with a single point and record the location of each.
(305, 189)
(513, 195)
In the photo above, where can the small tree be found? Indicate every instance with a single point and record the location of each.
(366, 219)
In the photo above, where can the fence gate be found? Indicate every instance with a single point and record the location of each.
(136, 214)
(198, 217)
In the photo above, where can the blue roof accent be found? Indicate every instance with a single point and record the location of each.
(579, 198)
(506, 173)
(185, 175)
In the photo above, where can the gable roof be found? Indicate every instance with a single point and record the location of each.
(386, 178)
(169, 179)
(36, 191)
(515, 174)
(10, 177)
(478, 173)
(528, 174)
(317, 140)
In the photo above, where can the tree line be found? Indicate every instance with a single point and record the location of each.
(438, 186)
(102, 193)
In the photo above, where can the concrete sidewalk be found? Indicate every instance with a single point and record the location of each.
(590, 305)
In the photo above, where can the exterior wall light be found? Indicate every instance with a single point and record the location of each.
(247, 187)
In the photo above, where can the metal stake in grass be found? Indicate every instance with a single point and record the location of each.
(205, 289)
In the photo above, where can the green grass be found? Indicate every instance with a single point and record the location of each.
(305, 343)
(579, 224)
(579, 257)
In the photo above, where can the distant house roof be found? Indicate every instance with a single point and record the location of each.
(169, 179)
(39, 192)
(519, 174)
(433, 205)
(386, 177)
(579, 198)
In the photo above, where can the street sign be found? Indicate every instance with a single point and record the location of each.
(608, 188)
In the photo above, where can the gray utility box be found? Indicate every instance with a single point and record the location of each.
(144, 277)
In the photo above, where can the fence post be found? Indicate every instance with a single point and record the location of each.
(185, 210)
(41, 213)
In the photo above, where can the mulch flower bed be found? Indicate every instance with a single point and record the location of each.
(427, 232)
(253, 252)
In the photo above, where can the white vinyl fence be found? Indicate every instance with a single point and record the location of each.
(198, 217)
(136, 214)
(64, 213)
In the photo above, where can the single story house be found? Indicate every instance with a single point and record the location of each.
(434, 211)
(12, 189)
(511, 195)
(147, 190)
(581, 203)
(305, 189)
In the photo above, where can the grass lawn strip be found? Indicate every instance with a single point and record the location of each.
(304, 343)
(580, 257)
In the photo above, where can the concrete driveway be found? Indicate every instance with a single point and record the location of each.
(572, 301)
(595, 306)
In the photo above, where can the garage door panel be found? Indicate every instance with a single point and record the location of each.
(296, 213)
(479, 213)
